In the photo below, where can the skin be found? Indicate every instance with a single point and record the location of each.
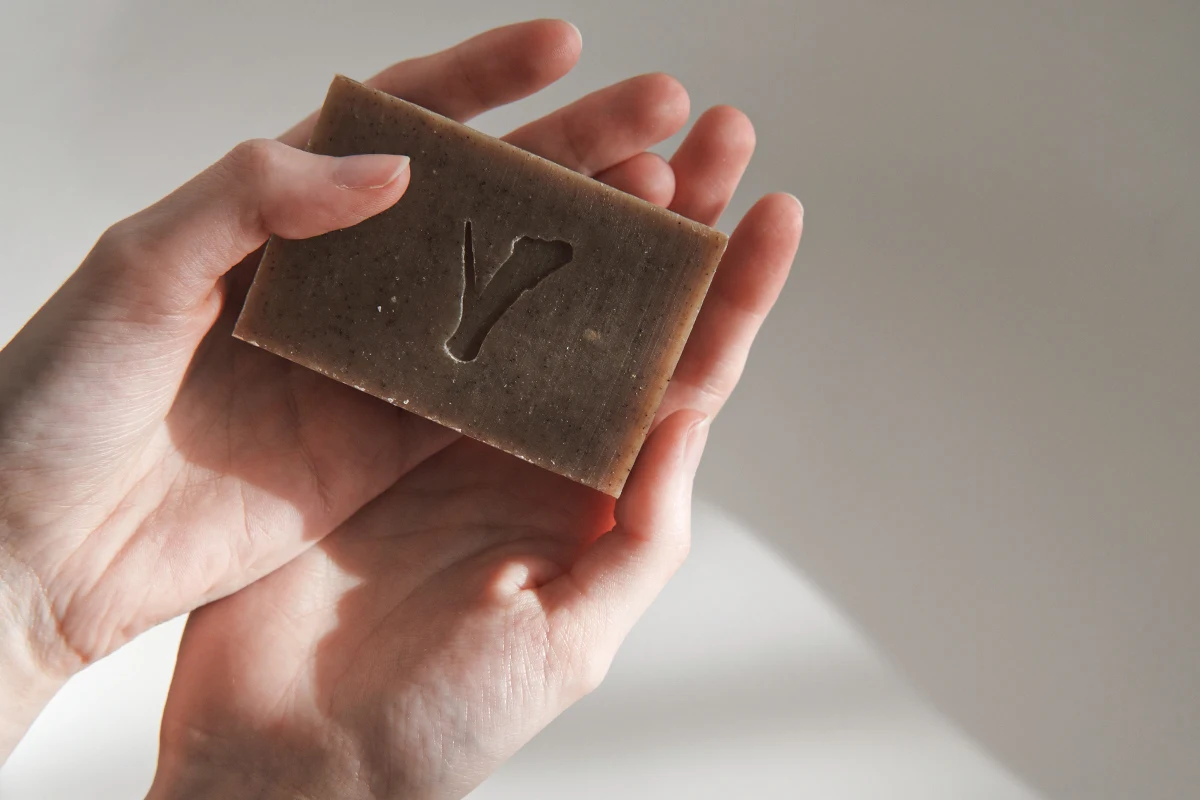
(385, 609)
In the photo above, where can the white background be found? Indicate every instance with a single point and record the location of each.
(972, 422)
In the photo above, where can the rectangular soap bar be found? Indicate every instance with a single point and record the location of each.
(503, 296)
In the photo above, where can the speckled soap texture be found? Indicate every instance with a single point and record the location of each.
(574, 299)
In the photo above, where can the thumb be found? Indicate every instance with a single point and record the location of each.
(619, 575)
(167, 262)
(122, 331)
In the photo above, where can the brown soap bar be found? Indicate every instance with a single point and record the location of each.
(503, 296)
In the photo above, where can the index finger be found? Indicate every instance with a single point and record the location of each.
(494, 68)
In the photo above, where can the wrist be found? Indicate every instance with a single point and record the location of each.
(202, 768)
(27, 682)
(211, 783)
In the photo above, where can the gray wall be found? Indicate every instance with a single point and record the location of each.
(972, 420)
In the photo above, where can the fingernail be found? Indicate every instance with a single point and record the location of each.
(372, 171)
(798, 203)
(578, 32)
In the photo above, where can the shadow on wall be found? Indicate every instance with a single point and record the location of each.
(760, 699)
(972, 418)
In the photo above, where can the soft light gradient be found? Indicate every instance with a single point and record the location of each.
(972, 420)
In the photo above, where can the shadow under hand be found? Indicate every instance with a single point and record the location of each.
(277, 454)
(437, 663)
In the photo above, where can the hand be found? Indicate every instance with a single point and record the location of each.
(443, 625)
(149, 463)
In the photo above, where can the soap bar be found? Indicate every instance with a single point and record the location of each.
(503, 296)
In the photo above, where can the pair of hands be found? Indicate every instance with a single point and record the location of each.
(380, 607)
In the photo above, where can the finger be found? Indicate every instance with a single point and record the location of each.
(646, 175)
(614, 581)
(609, 126)
(751, 275)
(168, 260)
(489, 70)
(710, 163)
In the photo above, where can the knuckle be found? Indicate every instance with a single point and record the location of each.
(468, 80)
(591, 673)
(679, 552)
(123, 270)
(579, 142)
(252, 160)
(122, 244)
(249, 168)
(581, 654)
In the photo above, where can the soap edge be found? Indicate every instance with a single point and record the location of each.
(240, 326)
(700, 228)
(682, 333)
